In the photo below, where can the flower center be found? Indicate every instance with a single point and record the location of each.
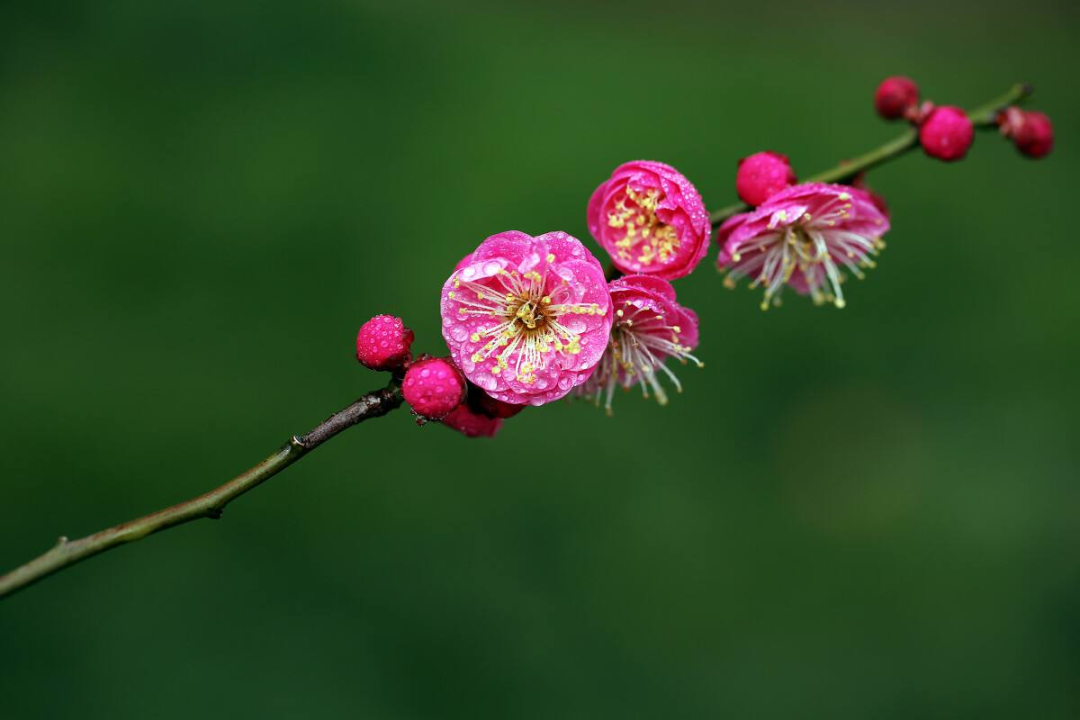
(645, 234)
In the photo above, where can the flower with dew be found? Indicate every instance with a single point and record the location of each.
(527, 319)
(804, 236)
(650, 326)
(650, 219)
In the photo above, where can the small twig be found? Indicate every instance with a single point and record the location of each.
(984, 116)
(209, 505)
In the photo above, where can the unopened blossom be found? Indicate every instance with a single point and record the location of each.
(896, 97)
(527, 319)
(805, 237)
(471, 423)
(946, 133)
(433, 387)
(762, 175)
(383, 343)
(1031, 131)
(650, 219)
(650, 327)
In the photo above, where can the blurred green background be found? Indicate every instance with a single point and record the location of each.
(849, 514)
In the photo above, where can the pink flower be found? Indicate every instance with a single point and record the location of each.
(650, 219)
(650, 326)
(802, 237)
(526, 318)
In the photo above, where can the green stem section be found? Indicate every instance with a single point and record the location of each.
(208, 505)
(985, 116)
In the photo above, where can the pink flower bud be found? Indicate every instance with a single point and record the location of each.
(1035, 136)
(895, 97)
(470, 423)
(947, 134)
(762, 175)
(433, 387)
(383, 343)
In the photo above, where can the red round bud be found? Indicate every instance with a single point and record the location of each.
(383, 343)
(470, 423)
(947, 133)
(761, 176)
(895, 97)
(1035, 136)
(433, 387)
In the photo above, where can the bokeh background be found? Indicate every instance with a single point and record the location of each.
(861, 513)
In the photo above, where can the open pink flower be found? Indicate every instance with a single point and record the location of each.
(650, 219)
(650, 326)
(803, 237)
(526, 318)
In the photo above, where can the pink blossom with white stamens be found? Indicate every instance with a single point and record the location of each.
(527, 319)
(805, 237)
(650, 326)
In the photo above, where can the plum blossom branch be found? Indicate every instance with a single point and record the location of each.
(983, 117)
(529, 320)
(66, 553)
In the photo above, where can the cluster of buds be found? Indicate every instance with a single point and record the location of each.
(532, 319)
(946, 132)
(433, 387)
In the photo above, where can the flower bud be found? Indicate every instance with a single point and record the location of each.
(433, 387)
(1035, 135)
(383, 343)
(472, 424)
(895, 97)
(947, 133)
(761, 176)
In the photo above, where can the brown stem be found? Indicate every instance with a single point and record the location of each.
(208, 505)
